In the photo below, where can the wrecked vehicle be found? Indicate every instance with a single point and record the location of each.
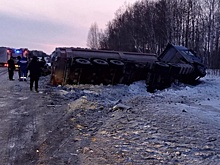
(86, 66)
(176, 63)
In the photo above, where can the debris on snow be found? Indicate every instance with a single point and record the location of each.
(121, 107)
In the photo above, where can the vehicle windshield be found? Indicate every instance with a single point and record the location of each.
(187, 52)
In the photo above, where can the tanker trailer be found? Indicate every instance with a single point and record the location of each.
(86, 66)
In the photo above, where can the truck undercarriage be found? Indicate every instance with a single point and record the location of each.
(85, 66)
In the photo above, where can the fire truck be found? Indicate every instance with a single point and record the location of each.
(6, 53)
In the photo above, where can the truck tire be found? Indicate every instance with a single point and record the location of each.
(116, 62)
(82, 61)
(98, 61)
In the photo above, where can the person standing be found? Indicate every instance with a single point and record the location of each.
(35, 72)
(11, 68)
(18, 63)
(23, 63)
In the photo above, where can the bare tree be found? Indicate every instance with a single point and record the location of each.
(148, 25)
(93, 37)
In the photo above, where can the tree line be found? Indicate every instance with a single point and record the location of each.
(148, 26)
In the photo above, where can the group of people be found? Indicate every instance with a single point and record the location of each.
(34, 68)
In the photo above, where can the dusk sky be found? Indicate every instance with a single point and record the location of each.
(47, 24)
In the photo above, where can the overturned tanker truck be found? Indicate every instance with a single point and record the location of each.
(86, 66)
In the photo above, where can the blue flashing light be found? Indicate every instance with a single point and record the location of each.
(17, 51)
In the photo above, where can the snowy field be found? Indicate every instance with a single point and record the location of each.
(202, 99)
(180, 124)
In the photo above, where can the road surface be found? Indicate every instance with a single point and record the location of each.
(102, 125)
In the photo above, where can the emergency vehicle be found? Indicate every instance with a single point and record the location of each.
(6, 53)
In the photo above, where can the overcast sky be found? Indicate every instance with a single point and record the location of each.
(46, 24)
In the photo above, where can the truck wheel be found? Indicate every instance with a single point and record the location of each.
(82, 61)
(116, 62)
(100, 62)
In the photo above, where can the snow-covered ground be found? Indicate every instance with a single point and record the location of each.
(202, 100)
(180, 124)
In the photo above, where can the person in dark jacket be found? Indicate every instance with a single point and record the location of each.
(35, 72)
(11, 68)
